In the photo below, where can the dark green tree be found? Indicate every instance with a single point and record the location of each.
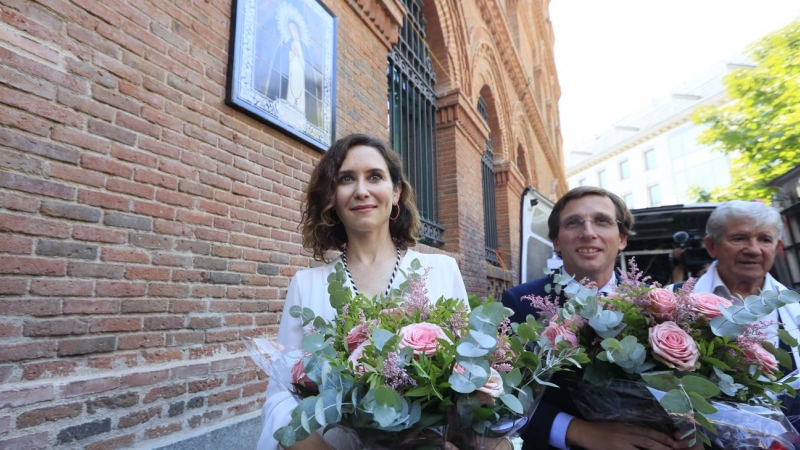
(760, 127)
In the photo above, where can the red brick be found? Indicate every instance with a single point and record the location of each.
(30, 307)
(36, 227)
(131, 188)
(27, 350)
(103, 200)
(18, 202)
(206, 384)
(144, 378)
(162, 355)
(173, 228)
(241, 377)
(13, 286)
(77, 175)
(174, 198)
(50, 369)
(74, 347)
(93, 306)
(105, 165)
(124, 254)
(55, 327)
(10, 329)
(152, 433)
(39, 416)
(115, 361)
(144, 306)
(120, 289)
(225, 365)
(16, 244)
(147, 273)
(99, 234)
(192, 371)
(168, 290)
(61, 288)
(141, 340)
(114, 324)
(139, 417)
(80, 139)
(21, 397)
(223, 397)
(29, 441)
(125, 441)
(155, 178)
(255, 389)
(164, 392)
(185, 338)
(5, 424)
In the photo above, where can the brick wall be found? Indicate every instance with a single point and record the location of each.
(146, 227)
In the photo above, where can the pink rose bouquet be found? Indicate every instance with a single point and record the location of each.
(696, 349)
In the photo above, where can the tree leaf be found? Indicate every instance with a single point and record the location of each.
(700, 386)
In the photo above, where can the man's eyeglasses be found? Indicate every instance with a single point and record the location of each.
(599, 222)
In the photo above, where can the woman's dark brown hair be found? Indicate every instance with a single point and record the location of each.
(322, 229)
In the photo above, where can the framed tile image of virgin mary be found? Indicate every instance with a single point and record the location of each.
(282, 67)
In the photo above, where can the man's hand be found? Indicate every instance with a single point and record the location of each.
(619, 436)
(487, 444)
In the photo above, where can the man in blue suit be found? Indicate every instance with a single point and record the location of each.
(589, 226)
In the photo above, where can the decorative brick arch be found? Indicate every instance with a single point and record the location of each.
(487, 75)
(447, 42)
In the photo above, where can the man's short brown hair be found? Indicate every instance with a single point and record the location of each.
(624, 215)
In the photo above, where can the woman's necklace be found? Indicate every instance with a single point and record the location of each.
(391, 280)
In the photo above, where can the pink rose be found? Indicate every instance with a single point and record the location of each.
(300, 377)
(356, 336)
(706, 304)
(673, 346)
(757, 354)
(422, 337)
(662, 303)
(492, 389)
(555, 330)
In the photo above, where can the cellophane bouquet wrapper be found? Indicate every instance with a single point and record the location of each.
(739, 426)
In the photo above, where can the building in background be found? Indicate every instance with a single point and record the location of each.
(652, 157)
(146, 226)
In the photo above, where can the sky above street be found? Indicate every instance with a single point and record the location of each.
(616, 56)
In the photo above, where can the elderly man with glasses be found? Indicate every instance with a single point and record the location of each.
(589, 226)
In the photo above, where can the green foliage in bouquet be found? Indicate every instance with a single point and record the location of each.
(694, 347)
(406, 363)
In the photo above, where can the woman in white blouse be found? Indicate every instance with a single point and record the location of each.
(358, 204)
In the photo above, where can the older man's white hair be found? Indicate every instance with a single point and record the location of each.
(761, 215)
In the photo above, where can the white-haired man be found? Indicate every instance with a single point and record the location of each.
(744, 238)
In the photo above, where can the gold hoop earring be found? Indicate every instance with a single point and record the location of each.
(396, 216)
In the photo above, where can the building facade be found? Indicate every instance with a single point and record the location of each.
(146, 226)
(652, 156)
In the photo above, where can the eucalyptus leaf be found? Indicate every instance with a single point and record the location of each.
(470, 350)
(676, 401)
(513, 378)
(380, 337)
(700, 404)
(699, 385)
(512, 402)
(723, 327)
(296, 311)
(484, 340)
(787, 338)
(461, 384)
(663, 381)
(313, 343)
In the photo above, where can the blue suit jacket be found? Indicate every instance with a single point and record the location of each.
(555, 400)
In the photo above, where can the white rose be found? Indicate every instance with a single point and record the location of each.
(493, 388)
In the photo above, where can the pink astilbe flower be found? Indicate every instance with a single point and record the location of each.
(396, 377)
(633, 277)
(547, 305)
(502, 355)
(685, 313)
(417, 297)
(754, 334)
(458, 321)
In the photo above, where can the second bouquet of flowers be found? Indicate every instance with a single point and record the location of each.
(692, 361)
(407, 371)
